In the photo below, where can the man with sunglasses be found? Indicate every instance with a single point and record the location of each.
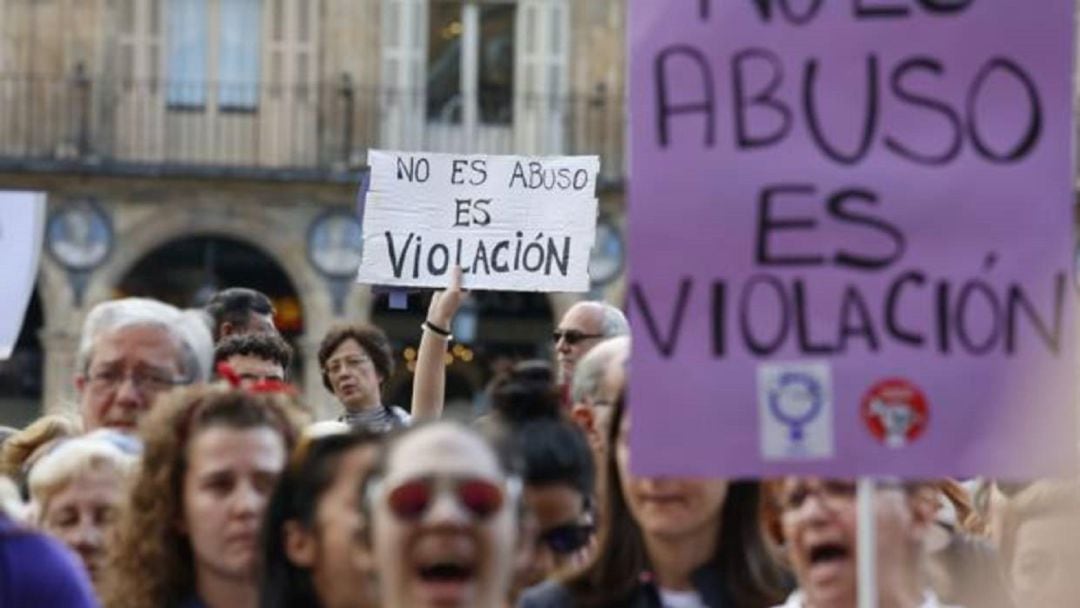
(583, 326)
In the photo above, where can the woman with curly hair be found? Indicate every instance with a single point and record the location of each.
(188, 535)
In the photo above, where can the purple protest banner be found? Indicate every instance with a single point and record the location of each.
(852, 237)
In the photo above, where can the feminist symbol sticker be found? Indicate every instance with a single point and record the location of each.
(795, 401)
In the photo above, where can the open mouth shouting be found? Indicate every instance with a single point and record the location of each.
(829, 560)
(446, 575)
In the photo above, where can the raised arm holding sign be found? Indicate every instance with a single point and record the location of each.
(22, 226)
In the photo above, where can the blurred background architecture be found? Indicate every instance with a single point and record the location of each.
(188, 145)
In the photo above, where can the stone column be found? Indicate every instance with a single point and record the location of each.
(60, 345)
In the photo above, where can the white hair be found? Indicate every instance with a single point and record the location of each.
(190, 333)
(590, 370)
(197, 333)
(614, 322)
(68, 460)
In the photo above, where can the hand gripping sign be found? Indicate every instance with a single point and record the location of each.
(511, 222)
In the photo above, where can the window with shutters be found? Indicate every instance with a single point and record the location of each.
(212, 53)
(471, 49)
(139, 41)
(474, 75)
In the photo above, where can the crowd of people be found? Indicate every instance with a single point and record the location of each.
(194, 476)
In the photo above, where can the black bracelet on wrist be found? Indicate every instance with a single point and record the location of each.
(435, 328)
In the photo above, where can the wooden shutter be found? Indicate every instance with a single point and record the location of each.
(289, 103)
(541, 76)
(139, 119)
(403, 73)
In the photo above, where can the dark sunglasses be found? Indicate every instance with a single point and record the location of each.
(568, 538)
(572, 336)
(482, 498)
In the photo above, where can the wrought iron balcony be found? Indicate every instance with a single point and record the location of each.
(98, 124)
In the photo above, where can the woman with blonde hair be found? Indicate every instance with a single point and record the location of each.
(188, 535)
(76, 490)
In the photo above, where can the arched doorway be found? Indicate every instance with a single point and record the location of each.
(21, 380)
(493, 331)
(186, 272)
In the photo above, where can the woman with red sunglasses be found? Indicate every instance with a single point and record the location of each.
(444, 515)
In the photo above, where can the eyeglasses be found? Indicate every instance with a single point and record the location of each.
(832, 493)
(411, 499)
(568, 538)
(353, 362)
(145, 382)
(572, 336)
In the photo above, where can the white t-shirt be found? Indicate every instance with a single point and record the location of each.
(929, 601)
(680, 599)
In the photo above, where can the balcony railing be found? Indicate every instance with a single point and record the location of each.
(321, 131)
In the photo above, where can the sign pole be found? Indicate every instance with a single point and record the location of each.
(866, 544)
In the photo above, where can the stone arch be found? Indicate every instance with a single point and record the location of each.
(256, 229)
(279, 234)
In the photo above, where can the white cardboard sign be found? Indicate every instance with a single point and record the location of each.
(22, 228)
(511, 222)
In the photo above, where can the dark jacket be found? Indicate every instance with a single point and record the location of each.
(706, 581)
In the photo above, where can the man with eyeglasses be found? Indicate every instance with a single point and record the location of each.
(131, 351)
(356, 360)
(583, 326)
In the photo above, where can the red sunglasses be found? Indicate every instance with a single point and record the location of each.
(482, 498)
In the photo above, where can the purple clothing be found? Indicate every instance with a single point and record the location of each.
(36, 570)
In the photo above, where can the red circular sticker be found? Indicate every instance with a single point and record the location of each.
(895, 411)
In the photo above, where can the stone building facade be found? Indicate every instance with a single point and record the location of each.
(249, 121)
